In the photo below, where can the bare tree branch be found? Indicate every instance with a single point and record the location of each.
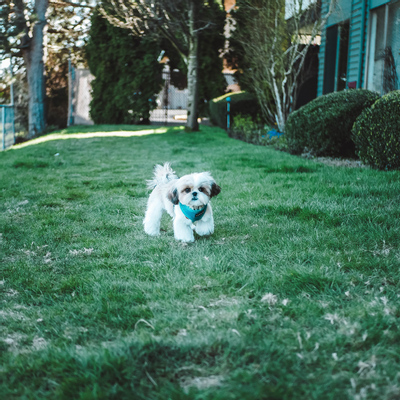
(62, 3)
(276, 49)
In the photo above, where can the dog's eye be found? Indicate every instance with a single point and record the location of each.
(200, 189)
(187, 190)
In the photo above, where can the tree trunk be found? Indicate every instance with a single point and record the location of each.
(279, 104)
(33, 57)
(193, 71)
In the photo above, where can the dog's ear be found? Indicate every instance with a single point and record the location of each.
(173, 196)
(215, 190)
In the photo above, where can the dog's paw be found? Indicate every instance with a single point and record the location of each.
(185, 238)
(204, 229)
(152, 232)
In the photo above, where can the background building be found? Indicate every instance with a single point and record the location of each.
(360, 47)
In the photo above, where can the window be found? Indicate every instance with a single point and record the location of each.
(341, 70)
(336, 56)
(384, 49)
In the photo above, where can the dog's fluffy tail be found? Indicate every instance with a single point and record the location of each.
(162, 175)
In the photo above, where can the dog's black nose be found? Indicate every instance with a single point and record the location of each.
(194, 194)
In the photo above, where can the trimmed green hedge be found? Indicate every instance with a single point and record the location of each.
(241, 103)
(376, 133)
(324, 125)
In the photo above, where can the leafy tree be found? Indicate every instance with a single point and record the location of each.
(181, 22)
(235, 55)
(22, 36)
(127, 74)
(212, 82)
(56, 70)
(22, 27)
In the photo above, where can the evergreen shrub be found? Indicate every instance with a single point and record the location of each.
(127, 74)
(241, 103)
(256, 132)
(376, 133)
(324, 125)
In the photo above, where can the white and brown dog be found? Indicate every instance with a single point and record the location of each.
(186, 200)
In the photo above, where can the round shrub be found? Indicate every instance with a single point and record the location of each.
(241, 103)
(376, 133)
(324, 125)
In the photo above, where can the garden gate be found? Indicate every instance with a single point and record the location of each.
(172, 100)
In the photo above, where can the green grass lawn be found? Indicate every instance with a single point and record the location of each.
(296, 295)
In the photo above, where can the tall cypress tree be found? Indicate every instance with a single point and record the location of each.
(127, 74)
(212, 82)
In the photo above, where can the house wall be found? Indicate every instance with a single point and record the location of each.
(82, 97)
(357, 42)
(358, 11)
(342, 12)
(377, 3)
(321, 55)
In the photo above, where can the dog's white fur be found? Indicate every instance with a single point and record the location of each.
(169, 191)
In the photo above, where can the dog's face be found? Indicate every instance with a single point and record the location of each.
(194, 190)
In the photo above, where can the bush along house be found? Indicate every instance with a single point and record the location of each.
(360, 47)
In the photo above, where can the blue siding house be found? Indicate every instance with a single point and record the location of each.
(360, 45)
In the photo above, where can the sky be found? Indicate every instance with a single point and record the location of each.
(289, 6)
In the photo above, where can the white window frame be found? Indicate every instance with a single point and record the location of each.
(371, 43)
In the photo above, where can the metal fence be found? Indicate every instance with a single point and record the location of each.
(171, 100)
(7, 127)
(171, 103)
